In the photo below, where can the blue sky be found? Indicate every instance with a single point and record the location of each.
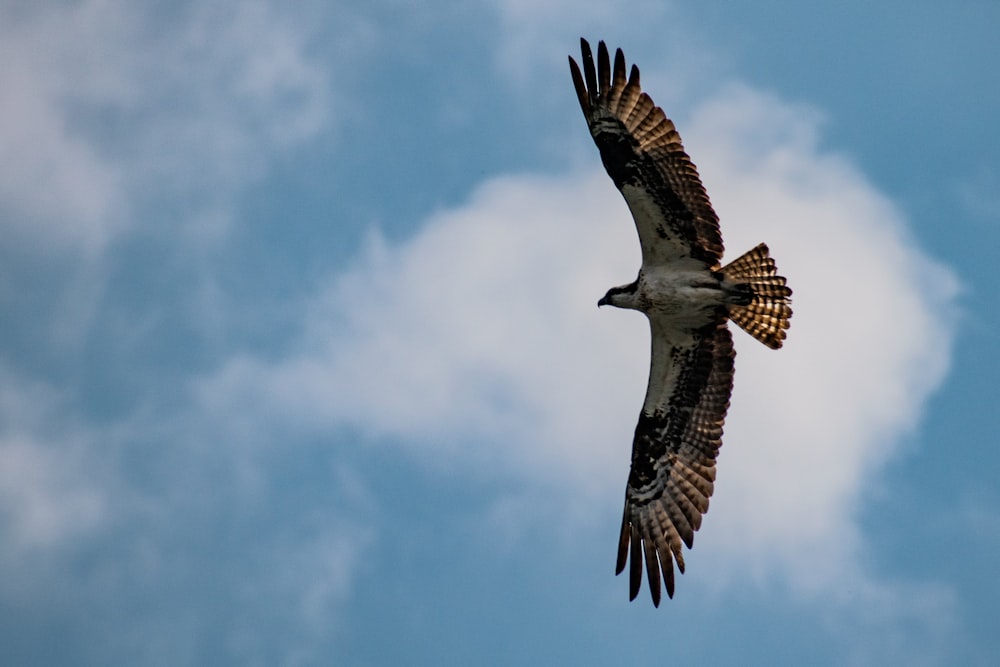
(301, 362)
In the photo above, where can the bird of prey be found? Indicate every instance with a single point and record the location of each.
(688, 297)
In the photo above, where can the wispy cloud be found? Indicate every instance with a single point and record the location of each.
(108, 104)
(50, 488)
(125, 121)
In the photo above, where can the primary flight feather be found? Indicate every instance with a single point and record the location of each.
(689, 299)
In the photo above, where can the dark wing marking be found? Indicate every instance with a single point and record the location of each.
(643, 154)
(676, 444)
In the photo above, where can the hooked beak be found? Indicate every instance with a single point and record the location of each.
(603, 301)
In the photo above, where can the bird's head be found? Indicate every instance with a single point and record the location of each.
(623, 296)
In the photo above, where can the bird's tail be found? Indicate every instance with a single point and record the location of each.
(762, 302)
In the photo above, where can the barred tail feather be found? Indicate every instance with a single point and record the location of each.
(765, 309)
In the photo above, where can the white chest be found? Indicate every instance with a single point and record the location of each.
(682, 295)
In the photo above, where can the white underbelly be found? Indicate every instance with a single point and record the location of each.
(682, 295)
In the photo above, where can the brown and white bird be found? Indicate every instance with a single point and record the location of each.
(689, 299)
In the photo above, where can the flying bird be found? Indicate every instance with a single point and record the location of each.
(688, 298)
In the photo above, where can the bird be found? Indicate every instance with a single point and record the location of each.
(688, 298)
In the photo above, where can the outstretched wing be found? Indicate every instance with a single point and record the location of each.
(642, 153)
(673, 454)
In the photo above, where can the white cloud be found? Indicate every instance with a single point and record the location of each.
(537, 32)
(311, 579)
(871, 338)
(45, 497)
(483, 329)
(50, 174)
(49, 490)
(109, 103)
(480, 336)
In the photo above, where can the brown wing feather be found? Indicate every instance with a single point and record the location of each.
(644, 156)
(675, 448)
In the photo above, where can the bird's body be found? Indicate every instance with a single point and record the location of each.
(688, 297)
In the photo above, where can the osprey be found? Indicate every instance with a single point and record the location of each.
(688, 298)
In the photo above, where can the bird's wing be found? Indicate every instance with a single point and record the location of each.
(676, 444)
(642, 153)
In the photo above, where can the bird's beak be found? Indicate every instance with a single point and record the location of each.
(603, 301)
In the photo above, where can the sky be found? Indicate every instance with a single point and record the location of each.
(301, 362)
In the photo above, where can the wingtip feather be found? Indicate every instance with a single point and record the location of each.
(633, 76)
(603, 70)
(635, 566)
(623, 542)
(589, 74)
(581, 89)
(652, 570)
